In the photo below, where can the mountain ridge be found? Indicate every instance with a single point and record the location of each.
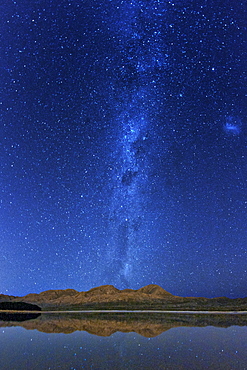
(151, 296)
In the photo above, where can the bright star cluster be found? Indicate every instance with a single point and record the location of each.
(123, 146)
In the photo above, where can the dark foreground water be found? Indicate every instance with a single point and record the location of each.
(59, 342)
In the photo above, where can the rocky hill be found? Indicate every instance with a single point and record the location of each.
(104, 294)
(108, 297)
(18, 306)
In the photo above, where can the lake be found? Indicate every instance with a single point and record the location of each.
(123, 341)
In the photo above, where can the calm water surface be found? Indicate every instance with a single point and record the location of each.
(181, 347)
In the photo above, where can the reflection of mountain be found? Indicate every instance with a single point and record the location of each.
(108, 297)
(106, 324)
(6, 316)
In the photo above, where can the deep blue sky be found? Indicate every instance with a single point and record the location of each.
(123, 145)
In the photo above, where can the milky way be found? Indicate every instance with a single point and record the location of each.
(123, 146)
(139, 33)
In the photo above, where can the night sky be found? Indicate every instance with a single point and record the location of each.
(123, 145)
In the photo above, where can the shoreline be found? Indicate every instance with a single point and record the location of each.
(128, 311)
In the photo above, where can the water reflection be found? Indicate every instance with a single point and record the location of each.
(124, 342)
(10, 317)
(106, 324)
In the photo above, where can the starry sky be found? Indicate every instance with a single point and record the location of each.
(123, 145)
